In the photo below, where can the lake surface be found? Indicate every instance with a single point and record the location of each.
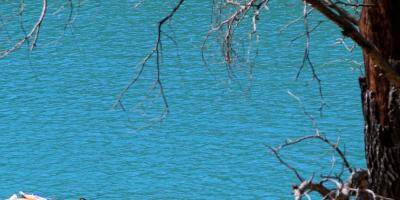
(61, 138)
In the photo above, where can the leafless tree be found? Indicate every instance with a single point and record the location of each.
(371, 24)
(381, 101)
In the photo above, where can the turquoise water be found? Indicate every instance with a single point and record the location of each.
(62, 139)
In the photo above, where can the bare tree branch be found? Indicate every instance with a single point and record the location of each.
(350, 30)
(33, 34)
(157, 49)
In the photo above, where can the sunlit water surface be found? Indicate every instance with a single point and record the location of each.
(61, 138)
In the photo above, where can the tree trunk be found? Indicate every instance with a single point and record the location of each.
(380, 24)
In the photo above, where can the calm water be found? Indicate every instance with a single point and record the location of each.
(61, 138)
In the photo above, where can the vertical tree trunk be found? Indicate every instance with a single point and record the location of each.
(380, 24)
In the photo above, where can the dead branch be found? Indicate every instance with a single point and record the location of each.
(343, 13)
(350, 30)
(232, 22)
(306, 57)
(354, 4)
(157, 50)
(357, 184)
(33, 34)
(294, 21)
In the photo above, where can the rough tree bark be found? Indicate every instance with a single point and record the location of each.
(380, 40)
(380, 25)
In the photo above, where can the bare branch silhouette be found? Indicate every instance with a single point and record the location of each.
(157, 50)
(32, 35)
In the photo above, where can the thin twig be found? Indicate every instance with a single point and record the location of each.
(34, 34)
